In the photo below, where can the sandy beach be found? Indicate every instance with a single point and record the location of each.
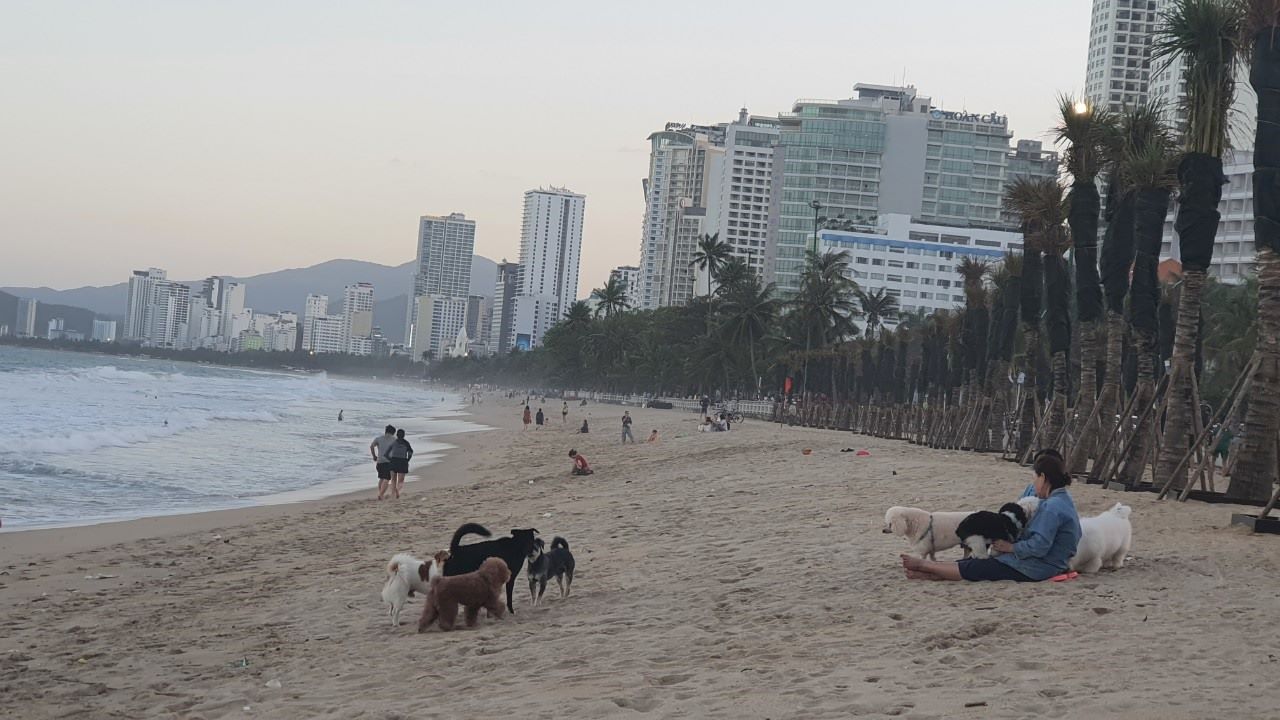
(719, 575)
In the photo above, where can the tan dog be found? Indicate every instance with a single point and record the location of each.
(406, 574)
(473, 590)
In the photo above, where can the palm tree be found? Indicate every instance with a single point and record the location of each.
(733, 273)
(1007, 280)
(611, 299)
(578, 315)
(1088, 133)
(1057, 282)
(876, 306)
(1204, 35)
(1254, 470)
(1038, 202)
(823, 306)
(749, 310)
(711, 255)
(1149, 169)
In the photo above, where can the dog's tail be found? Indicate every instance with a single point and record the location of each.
(467, 529)
(1122, 510)
(559, 542)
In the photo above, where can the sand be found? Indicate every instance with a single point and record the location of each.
(719, 575)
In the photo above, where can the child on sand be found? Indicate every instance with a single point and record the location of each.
(580, 464)
(653, 436)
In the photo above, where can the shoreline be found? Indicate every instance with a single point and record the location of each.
(79, 537)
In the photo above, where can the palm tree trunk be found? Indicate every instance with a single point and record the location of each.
(1179, 431)
(1058, 404)
(1255, 470)
(1027, 423)
(751, 351)
(1136, 455)
(999, 403)
(1083, 448)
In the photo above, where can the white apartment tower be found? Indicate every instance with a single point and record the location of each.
(357, 315)
(501, 333)
(317, 306)
(741, 189)
(682, 159)
(140, 293)
(1118, 72)
(629, 277)
(26, 326)
(444, 249)
(550, 246)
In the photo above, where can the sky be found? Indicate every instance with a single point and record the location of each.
(234, 138)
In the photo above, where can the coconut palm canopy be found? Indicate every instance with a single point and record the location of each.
(612, 298)
(876, 305)
(711, 255)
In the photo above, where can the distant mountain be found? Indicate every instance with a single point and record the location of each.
(74, 318)
(285, 290)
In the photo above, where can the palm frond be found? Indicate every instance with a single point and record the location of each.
(1204, 34)
(1088, 132)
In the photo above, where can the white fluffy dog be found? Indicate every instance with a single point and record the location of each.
(927, 532)
(407, 574)
(1104, 540)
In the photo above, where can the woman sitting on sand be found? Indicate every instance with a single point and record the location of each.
(1044, 549)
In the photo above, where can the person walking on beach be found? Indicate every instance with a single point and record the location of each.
(398, 456)
(378, 449)
(528, 417)
(540, 419)
(564, 413)
(626, 428)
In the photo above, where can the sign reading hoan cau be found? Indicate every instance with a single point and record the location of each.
(991, 118)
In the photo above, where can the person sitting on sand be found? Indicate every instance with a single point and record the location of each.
(1042, 552)
(653, 436)
(585, 429)
(580, 464)
(706, 424)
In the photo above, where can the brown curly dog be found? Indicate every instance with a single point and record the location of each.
(473, 590)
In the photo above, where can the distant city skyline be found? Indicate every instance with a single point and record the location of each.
(285, 135)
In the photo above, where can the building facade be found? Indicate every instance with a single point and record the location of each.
(479, 317)
(443, 261)
(440, 318)
(357, 315)
(140, 295)
(915, 262)
(104, 331)
(681, 160)
(741, 188)
(629, 277)
(316, 306)
(26, 319)
(328, 334)
(1118, 69)
(550, 248)
(506, 287)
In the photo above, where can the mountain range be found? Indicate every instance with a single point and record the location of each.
(275, 291)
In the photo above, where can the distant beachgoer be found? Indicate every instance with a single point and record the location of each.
(653, 436)
(724, 420)
(706, 403)
(528, 417)
(564, 413)
(583, 403)
(378, 449)
(706, 424)
(339, 416)
(626, 427)
(585, 427)
(398, 456)
(540, 419)
(580, 464)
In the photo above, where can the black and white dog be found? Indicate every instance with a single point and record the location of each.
(544, 565)
(468, 558)
(984, 527)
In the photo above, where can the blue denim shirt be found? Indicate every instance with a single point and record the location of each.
(1050, 539)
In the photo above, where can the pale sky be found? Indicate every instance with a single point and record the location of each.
(243, 137)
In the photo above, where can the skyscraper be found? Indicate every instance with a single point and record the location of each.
(167, 315)
(682, 159)
(1118, 71)
(550, 245)
(140, 295)
(740, 190)
(507, 285)
(357, 316)
(444, 249)
(629, 277)
(316, 307)
(26, 326)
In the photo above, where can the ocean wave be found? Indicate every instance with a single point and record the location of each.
(87, 441)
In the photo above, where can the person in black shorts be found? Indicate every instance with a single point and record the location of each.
(378, 449)
(398, 456)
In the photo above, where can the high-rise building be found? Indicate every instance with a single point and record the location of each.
(328, 334)
(357, 313)
(740, 189)
(140, 296)
(886, 151)
(104, 330)
(550, 244)
(479, 317)
(443, 264)
(507, 286)
(26, 325)
(1118, 71)
(167, 315)
(317, 306)
(439, 319)
(629, 277)
(682, 161)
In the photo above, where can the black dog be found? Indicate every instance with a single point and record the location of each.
(980, 529)
(556, 563)
(513, 550)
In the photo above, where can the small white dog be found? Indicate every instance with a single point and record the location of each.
(407, 574)
(1104, 540)
(927, 532)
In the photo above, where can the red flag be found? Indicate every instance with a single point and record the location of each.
(786, 387)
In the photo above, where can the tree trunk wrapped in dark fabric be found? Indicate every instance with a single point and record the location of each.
(1083, 219)
(1058, 296)
(1150, 208)
(1255, 470)
(1200, 181)
(1031, 291)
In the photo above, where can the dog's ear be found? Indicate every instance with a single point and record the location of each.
(424, 572)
